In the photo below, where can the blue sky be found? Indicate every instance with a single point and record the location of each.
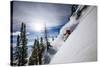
(31, 13)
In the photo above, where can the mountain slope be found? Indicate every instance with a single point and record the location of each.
(81, 45)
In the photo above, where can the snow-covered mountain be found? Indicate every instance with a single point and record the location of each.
(68, 28)
(81, 45)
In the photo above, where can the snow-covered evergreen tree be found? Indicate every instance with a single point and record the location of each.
(36, 57)
(23, 45)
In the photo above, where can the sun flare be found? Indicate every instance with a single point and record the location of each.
(37, 26)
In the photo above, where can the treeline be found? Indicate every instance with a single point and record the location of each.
(40, 47)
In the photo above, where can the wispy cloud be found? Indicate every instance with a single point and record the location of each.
(29, 12)
(18, 33)
(15, 33)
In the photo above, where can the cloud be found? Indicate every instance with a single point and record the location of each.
(29, 12)
(18, 33)
(15, 33)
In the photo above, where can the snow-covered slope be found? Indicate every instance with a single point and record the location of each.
(81, 45)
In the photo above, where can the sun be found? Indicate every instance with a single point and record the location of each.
(38, 26)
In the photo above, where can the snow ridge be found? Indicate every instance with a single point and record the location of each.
(81, 44)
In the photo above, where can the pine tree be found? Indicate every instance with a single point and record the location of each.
(34, 57)
(38, 48)
(23, 45)
(80, 11)
(15, 56)
(21, 48)
(17, 47)
(42, 48)
(73, 9)
(46, 39)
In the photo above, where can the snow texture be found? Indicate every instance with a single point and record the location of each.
(81, 45)
(69, 26)
(61, 37)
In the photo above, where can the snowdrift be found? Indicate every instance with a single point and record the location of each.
(81, 45)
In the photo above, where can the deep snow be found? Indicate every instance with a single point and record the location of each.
(81, 45)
